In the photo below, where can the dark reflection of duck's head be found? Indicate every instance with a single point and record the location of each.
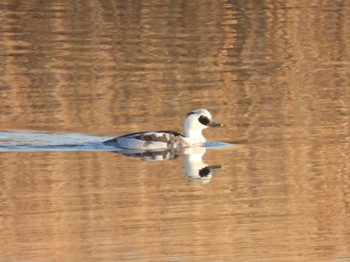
(196, 169)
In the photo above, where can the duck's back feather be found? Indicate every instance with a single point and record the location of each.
(149, 140)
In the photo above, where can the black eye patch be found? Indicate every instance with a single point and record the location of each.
(204, 120)
(204, 172)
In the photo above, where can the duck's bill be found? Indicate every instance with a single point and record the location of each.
(214, 168)
(215, 124)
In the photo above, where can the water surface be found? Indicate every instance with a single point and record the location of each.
(74, 73)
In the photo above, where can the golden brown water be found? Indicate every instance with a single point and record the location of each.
(277, 73)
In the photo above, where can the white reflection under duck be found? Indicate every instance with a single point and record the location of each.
(196, 121)
(196, 169)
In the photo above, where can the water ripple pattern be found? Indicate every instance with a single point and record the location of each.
(14, 141)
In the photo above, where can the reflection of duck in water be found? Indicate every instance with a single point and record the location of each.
(153, 155)
(196, 169)
(195, 122)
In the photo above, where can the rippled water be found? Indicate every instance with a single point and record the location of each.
(76, 73)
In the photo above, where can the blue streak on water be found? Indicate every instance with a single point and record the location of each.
(19, 142)
(28, 142)
(211, 144)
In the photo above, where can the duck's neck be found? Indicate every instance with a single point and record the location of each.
(195, 136)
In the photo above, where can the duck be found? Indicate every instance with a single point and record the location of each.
(195, 122)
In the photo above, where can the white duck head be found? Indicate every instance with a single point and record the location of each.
(195, 122)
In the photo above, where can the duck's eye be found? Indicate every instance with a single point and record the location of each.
(204, 120)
